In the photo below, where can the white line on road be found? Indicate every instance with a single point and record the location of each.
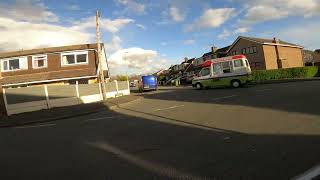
(225, 97)
(35, 126)
(101, 118)
(172, 107)
(164, 170)
(262, 90)
(311, 173)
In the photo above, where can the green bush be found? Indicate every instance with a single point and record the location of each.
(123, 78)
(301, 72)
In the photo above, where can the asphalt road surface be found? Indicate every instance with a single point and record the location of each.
(259, 132)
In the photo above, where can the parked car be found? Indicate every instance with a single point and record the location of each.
(228, 71)
(148, 83)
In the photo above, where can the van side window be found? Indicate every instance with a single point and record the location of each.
(205, 72)
(217, 68)
(238, 63)
(226, 67)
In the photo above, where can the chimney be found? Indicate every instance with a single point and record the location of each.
(214, 49)
(276, 40)
(185, 59)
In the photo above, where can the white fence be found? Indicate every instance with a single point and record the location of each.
(27, 99)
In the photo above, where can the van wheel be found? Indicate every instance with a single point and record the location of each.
(199, 86)
(235, 83)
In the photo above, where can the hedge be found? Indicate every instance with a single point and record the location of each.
(300, 72)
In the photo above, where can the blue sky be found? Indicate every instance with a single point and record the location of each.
(146, 35)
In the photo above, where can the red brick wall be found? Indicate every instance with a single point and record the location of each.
(256, 60)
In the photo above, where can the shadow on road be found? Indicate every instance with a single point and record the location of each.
(134, 147)
(299, 97)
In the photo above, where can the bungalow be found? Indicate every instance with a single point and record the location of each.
(64, 64)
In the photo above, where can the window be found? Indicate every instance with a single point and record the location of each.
(238, 63)
(244, 51)
(254, 49)
(226, 67)
(39, 61)
(251, 50)
(81, 58)
(234, 52)
(14, 64)
(248, 50)
(74, 58)
(217, 68)
(205, 72)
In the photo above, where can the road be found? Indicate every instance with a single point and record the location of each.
(259, 132)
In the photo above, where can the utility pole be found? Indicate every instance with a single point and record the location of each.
(101, 73)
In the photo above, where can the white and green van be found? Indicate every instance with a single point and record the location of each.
(228, 71)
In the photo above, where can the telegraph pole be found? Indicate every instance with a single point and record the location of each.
(101, 73)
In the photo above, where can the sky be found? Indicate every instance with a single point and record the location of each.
(143, 36)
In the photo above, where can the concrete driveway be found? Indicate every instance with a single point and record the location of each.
(260, 132)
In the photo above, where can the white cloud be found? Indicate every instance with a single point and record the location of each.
(27, 10)
(141, 26)
(137, 59)
(241, 30)
(73, 7)
(189, 42)
(114, 45)
(176, 14)
(112, 26)
(212, 18)
(115, 25)
(264, 10)
(17, 35)
(164, 44)
(132, 5)
(306, 34)
(224, 34)
(264, 13)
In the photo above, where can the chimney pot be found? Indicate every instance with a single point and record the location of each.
(214, 49)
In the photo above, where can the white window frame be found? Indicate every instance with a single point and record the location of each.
(237, 67)
(45, 62)
(74, 53)
(13, 58)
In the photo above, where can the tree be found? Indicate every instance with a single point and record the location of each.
(120, 78)
(317, 51)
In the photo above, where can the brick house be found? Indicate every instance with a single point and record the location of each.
(268, 53)
(51, 65)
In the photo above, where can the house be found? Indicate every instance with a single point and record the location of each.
(311, 58)
(64, 64)
(267, 53)
(189, 71)
(214, 53)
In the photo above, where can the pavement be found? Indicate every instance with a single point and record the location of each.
(62, 113)
(269, 131)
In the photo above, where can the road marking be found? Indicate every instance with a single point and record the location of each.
(101, 118)
(170, 172)
(311, 173)
(172, 107)
(225, 97)
(262, 90)
(34, 126)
